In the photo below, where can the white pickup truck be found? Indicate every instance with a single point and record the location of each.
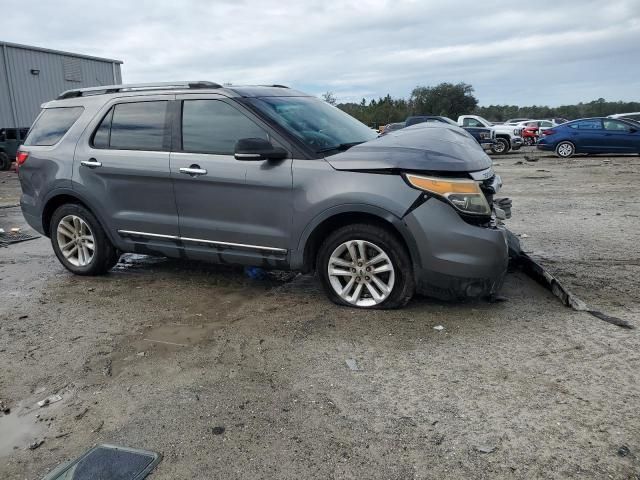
(507, 137)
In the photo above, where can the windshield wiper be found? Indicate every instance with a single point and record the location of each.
(342, 147)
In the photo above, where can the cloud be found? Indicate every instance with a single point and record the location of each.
(548, 52)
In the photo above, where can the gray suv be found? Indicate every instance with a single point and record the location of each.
(265, 176)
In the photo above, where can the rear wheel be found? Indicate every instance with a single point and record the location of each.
(5, 161)
(501, 146)
(565, 149)
(80, 242)
(365, 266)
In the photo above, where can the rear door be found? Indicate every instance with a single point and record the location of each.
(240, 208)
(587, 135)
(122, 167)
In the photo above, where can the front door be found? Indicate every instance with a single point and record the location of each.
(122, 167)
(618, 137)
(241, 209)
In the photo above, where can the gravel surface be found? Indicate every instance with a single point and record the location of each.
(229, 377)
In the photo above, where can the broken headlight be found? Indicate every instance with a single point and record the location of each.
(465, 195)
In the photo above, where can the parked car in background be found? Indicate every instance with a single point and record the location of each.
(627, 116)
(592, 135)
(391, 127)
(484, 136)
(10, 140)
(268, 176)
(514, 121)
(532, 129)
(506, 137)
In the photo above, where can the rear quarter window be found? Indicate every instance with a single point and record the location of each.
(52, 125)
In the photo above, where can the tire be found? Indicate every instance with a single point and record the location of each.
(75, 220)
(378, 242)
(5, 161)
(501, 146)
(565, 150)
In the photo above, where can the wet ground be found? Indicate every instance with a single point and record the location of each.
(230, 377)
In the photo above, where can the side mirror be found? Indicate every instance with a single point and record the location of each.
(633, 130)
(252, 149)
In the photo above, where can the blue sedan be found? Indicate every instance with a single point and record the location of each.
(592, 135)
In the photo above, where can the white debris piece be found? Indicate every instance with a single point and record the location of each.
(49, 400)
(438, 327)
(352, 364)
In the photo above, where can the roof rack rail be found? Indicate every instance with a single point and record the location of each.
(278, 86)
(131, 87)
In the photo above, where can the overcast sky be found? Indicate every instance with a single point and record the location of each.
(541, 52)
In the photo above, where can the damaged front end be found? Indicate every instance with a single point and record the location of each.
(456, 222)
(460, 235)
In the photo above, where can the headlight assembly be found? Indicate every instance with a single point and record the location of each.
(465, 195)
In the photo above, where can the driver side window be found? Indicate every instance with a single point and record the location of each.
(615, 125)
(213, 126)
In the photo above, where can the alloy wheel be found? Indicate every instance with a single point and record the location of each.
(565, 149)
(361, 273)
(499, 147)
(75, 240)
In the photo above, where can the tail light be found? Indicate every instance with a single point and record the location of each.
(21, 157)
(548, 132)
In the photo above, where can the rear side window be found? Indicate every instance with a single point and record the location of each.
(134, 126)
(212, 126)
(471, 122)
(587, 125)
(52, 125)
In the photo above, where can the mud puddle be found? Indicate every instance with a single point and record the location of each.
(18, 430)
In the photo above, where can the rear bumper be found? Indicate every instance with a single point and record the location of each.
(32, 215)
(456, 260)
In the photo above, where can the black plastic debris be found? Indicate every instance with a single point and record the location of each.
(517, 258)
(7, 238)
(108, 462)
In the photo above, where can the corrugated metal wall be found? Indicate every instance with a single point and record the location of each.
(55, 69)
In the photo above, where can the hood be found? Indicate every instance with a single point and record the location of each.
(433, 146)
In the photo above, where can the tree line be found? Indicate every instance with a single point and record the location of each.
(452, 100)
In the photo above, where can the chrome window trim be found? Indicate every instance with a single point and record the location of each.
(200, 240)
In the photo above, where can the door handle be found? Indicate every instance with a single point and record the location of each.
(193, 170)
(91, 163)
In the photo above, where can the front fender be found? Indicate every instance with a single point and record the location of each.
(297, 255)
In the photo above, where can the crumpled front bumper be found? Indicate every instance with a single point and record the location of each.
(454, 259)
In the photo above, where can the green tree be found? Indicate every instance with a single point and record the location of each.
(446, 99)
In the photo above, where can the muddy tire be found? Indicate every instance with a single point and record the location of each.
(501, 146)
(79, 241)
(565, 149)
(365, 266)
(5, 161)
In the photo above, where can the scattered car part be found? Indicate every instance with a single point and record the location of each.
(107, 462)
(8, 238)
(520, 259)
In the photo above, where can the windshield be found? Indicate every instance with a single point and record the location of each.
(320, 126)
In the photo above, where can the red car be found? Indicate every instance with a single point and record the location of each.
(532, 130)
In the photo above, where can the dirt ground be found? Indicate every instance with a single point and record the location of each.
(229, 377)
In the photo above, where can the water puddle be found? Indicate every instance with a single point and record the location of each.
(18, 431)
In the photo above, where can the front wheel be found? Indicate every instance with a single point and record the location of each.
(80, 242)
(565, 149)
(365, 266)
(501, 146)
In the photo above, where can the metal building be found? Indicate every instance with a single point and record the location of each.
(30, 76)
